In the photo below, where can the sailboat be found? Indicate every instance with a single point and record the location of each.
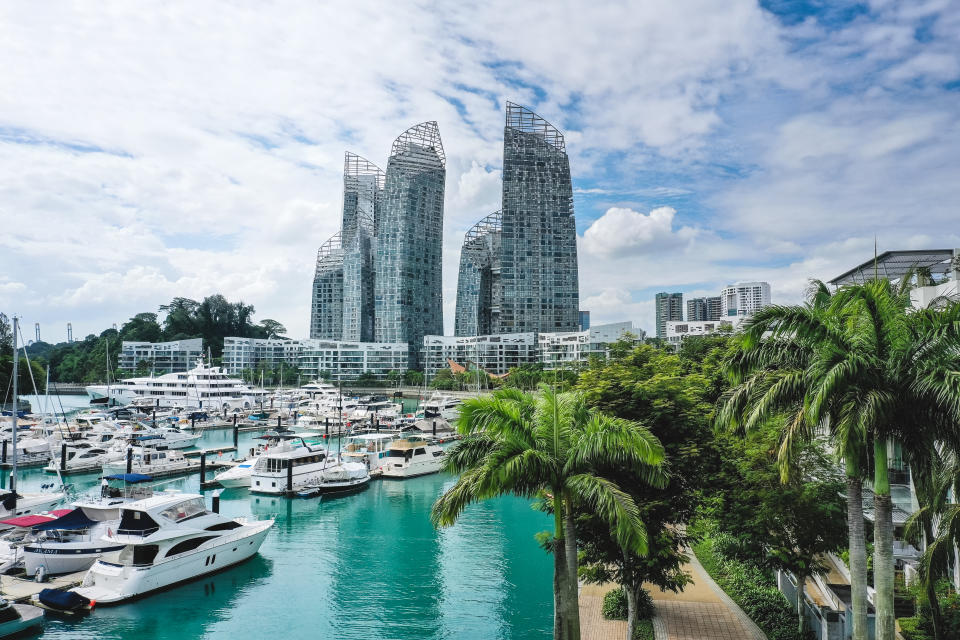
(13, 504)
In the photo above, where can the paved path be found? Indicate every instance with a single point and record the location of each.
(701, 612)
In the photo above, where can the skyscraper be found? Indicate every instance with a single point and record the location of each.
(478, 283)
(743, 299)
(409, 247)
(326, 309)
(362, 200)
(669, 307)
(531, 278)
(703, 308)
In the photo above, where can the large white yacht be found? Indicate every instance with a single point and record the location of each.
(285, 471)
(239, 475)
(411, 457)
(203, 387)
(169, 539)
(369, 449)
(442, 406)
(151, 462)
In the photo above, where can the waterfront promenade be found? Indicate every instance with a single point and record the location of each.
(701, 612)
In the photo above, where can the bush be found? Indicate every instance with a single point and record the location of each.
(645, 608)
(615, 605)
(644, 631)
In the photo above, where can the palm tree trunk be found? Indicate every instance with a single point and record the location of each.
(570, 541)
(631, 610)
(858, 552)
(883, 543)
(930, 587)
(566, 611)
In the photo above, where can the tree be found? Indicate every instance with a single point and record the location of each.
(444, 380)
(394, 378)
(413, 378)
(861, 366)
(554, 446)
(142, 327)
(271, 328)
(6, 334)
(144, 367)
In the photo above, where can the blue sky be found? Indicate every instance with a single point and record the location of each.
(178, 148)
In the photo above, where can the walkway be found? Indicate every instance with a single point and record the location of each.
(701, 612)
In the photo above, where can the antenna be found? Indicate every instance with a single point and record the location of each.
(37, 327)
(875, 276)
(69, 332)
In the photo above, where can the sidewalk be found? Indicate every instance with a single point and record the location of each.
(701, 612)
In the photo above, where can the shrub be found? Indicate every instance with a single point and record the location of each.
(912, 629)
(644, 631)
(615, 605)
(645, 608)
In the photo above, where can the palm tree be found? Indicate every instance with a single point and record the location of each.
(552, 445)
(859, 365)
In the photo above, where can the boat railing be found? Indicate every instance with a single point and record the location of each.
(137, 532)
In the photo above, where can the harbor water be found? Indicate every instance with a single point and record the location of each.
(364, 566)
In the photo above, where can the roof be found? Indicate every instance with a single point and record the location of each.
(894, 265)
(160, 500)
(40, 518)
(72, 520)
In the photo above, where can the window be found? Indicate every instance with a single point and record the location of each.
(185, 510)
(188, 545)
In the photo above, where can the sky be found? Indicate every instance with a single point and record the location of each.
(159, 149)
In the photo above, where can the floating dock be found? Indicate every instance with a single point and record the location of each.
(22, 589)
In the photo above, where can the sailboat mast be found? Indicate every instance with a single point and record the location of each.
(16, 362)
(108, 370)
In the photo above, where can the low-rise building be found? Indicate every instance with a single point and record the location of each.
(341, 360)
(495, 354)
(174, 356)
(572, 349)
(679, 331)
(249, 353)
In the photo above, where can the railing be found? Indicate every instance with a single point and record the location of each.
(137, 532)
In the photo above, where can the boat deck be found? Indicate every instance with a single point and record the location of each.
(21, 589)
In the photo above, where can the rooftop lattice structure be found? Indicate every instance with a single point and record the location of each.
(894, 265)
(330, 254)
(491, 224)
(526, 121)
(423, 136)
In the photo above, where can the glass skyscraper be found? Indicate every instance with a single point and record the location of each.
(533, 275)
(326, 310)
(362, 200)
(669, 308)
(408, 281)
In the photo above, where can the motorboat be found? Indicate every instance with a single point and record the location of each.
(84, 456)
(168, 437)
(412, 456)
(442, 406)
(370, 449)
(72, 542)
(168, 539)
(15, 619)
(150, 462)
(239, 475)
(18, 531)
(344, 477)
(285, 471)
(27, 504)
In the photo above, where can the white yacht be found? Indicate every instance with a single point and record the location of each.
(72, 542)
(203, 387)
(285, 471)
(84, 456)
(412, 456)
(443, 406)
(27, 503)
(165, 436)
(368, 448)
(150, 462)
(343, 477)
(168, 539)
(19, 531)
(239, 475)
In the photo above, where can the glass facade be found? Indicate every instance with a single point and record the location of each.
(478, 283)
(703, 308)
(326, 310)
(408, 298)
(362, 199)
(669, 308)
(533, 277)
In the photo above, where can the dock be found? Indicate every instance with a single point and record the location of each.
(22, 589)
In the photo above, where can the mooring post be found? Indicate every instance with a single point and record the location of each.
(235, 432)
(434, 428)
(63, 457)
(4, 451)
(129, 459)
(290, 475)
(203, 467)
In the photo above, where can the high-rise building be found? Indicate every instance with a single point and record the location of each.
(669, 307)
(362, 200)
(524, 259)
(326, 309)
(161, 357)
(584, 320)
(703, 309)
(408, 278)
(744, 299)
(478, 283)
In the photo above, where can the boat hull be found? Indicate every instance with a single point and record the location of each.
(335, 488)
(30, 617)
(404, 471)
(66, 558)
(111, 583)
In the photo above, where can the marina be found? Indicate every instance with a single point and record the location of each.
(371, 556)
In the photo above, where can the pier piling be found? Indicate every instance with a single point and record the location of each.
(290, 475)
(235, 431)
(4, 452)
(63, 457)
(434, 428)
(203, 467)
(129, 460)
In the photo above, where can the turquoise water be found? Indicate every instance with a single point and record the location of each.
(364, 566)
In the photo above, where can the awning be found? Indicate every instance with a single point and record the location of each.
(75, 519)
(130, 478)
(32, 521)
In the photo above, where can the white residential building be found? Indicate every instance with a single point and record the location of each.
(678, 331)
(340, 360)
(563, 350)
(495, 354)
(743, 299)
(247, 353)
(175, 356)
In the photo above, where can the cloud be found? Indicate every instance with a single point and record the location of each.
(622, 231)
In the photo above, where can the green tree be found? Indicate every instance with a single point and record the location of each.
(554, 446)
(271, 329)
(861, 365)
(413, 378)
(142, 327)
(143, 368)
(444, 380)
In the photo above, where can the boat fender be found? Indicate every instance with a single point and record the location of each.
(40, 575)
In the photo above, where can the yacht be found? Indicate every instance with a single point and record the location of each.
(201, 387)
(27, 503)
(151, 462)
(284, 471)
(72, 542)
(412, 456)
(370, 449)
(16, 619)
(85, 457)
(168, 539)
(239, 475)
(443, 406)
(164, 436)
(19, 531)
(344, 477)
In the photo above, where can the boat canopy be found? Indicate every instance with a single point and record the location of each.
(73, 520)
(26, 522)
(131, 478)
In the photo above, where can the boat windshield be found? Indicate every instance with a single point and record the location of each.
(185, 510)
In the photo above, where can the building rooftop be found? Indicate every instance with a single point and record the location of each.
(525, 120)
(894, 265)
